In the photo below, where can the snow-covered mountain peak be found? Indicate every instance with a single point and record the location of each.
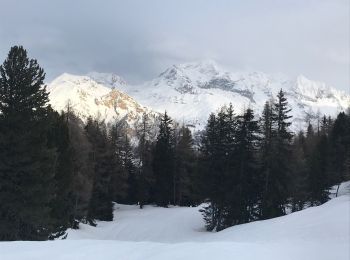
(310, 89)
(191, 91)
(87, 97)
(108, 79)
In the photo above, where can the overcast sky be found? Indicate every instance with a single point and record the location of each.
(139, 39)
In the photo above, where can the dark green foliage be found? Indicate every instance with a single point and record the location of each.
(119, 182)
(246, 185)
(164, 163)
(83, 167)
(298, 179)
(26, 161)
(100, 206)
(216, 152)
(62, 204)
(318, 164)
(339, 138)
(276, 152)
(145, 177)
(127, 159)
(229, 156)
(185, 192)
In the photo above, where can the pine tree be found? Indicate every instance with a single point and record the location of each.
(26, 161)
(163, 162)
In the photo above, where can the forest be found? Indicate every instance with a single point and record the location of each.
(57, 171)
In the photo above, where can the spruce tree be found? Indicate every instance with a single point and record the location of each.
(218, 170)
(163, 162)
(246, 185)
(276, 164)
(26, 161)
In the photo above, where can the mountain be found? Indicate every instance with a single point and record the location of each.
(98, 97)
(190, 92)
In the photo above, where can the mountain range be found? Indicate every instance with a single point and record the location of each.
(190, 92)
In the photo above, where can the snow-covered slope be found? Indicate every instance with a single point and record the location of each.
(98, 97)
(317, 233)
(191, 91)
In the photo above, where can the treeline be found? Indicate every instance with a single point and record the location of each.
(255, 168)
(57, 172)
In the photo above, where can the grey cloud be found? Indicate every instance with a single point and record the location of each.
(138, 39)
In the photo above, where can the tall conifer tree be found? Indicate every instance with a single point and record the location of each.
(26, 162)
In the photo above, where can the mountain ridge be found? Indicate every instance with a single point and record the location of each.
(191, 91)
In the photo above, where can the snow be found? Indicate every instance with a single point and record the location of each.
(317, 233)
(189, 92)
(92, 96)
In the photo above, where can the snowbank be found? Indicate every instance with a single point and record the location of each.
(321, 233)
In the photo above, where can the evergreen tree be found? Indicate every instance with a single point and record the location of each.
(119, 183)
(100, 205)
(163, 162)
(184, 169)
(339, 140)
(297, 183)
(217, 168)
(276, 164)
(145, 178)
(83, 167)
(62, 205)
(26, 161)
(246, 185)
(128, 164)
